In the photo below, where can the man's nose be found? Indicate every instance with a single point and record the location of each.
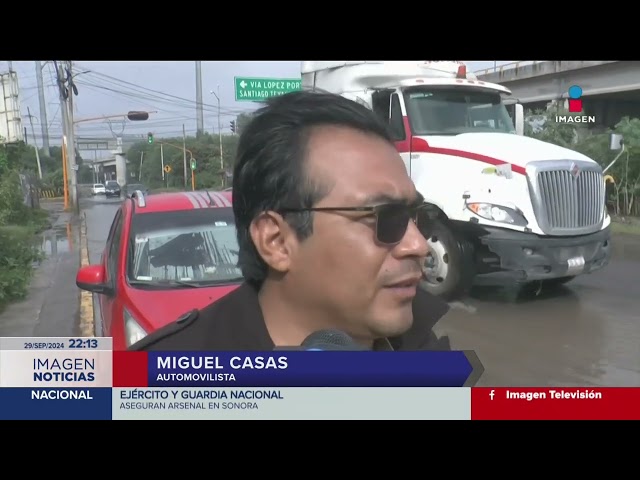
(413, 244)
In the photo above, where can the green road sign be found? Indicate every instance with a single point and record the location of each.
(251, 89)
(193, 164)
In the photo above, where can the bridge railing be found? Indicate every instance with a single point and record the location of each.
(507, 66)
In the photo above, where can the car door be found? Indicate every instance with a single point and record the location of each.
(110, 262)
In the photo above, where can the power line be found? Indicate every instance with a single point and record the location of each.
(124, 82)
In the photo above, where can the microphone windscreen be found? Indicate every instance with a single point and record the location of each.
(330, 340)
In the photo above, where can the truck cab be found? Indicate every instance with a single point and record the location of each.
(511, 209)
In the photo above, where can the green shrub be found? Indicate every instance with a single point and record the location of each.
(17, 254)
(12, 208)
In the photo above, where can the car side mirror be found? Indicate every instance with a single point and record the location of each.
(92, 279)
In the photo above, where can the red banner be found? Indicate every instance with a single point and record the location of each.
(130, 369)
(555, 403)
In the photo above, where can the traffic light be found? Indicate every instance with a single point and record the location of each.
(135, 116)
(149, 138)
(233, 126)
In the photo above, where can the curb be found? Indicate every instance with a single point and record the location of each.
(87, 322)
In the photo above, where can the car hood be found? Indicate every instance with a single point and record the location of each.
(154, 309)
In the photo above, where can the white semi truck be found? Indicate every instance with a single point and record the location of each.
(511, 209)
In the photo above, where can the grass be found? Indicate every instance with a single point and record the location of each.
(625, 228)
(37, 219)
(18, 251)
(626, 225)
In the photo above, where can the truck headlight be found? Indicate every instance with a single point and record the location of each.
(133, 332)
(498, 213)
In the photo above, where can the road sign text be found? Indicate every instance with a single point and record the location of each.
(251, 89)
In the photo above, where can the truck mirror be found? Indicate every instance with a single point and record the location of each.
(616, 141)
(519, 119)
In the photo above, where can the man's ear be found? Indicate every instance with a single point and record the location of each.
(270, 235)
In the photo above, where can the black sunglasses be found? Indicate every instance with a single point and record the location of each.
(392, 219)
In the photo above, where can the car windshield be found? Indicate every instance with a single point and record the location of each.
(452, 111)
(178, 249)
(112, 184)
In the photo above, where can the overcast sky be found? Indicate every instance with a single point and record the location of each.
(109, 88)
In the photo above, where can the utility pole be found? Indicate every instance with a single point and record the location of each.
(220, 133)
(199, 107)
(140, 169)
(67, 91)
(184, 152)
(162, 162)
(44, 124)
(65, 129)
(71, 145)
(35, 143)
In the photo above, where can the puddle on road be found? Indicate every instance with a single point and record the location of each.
(57, 241)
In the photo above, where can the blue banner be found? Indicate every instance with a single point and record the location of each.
(56, 403)
(309, 369)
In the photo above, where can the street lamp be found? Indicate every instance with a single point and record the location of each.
(133, 115)
(219, 127)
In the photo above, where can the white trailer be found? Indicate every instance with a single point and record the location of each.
(512, 209)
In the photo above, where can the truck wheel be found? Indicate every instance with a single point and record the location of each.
(448, 268)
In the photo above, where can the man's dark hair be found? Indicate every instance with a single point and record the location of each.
(269, 172)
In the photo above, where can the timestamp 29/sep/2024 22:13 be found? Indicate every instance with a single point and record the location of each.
(72, 343)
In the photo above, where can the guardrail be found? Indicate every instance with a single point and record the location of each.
(507, 66)
(51, 192)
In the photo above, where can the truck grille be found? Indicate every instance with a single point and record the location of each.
(568, 196)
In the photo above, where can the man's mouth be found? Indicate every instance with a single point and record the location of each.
(408, 282)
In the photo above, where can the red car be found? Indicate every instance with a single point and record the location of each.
(166, 254)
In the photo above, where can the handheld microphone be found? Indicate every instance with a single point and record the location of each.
(330, 340)
(325, 340)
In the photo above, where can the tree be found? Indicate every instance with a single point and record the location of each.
(626, 171)
(205, 149)
(11, 199)
(242, 121)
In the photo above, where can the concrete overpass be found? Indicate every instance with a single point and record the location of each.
(611, 89)
(104, 169)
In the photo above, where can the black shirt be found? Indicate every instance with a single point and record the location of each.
(235, 322)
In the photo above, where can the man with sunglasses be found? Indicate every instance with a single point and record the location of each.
(328, 228)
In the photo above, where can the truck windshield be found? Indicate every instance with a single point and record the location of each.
(455, 110)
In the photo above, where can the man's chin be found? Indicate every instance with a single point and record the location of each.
(395, 323)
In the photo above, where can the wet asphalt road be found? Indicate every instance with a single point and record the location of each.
(99, 214)
(586, 333)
